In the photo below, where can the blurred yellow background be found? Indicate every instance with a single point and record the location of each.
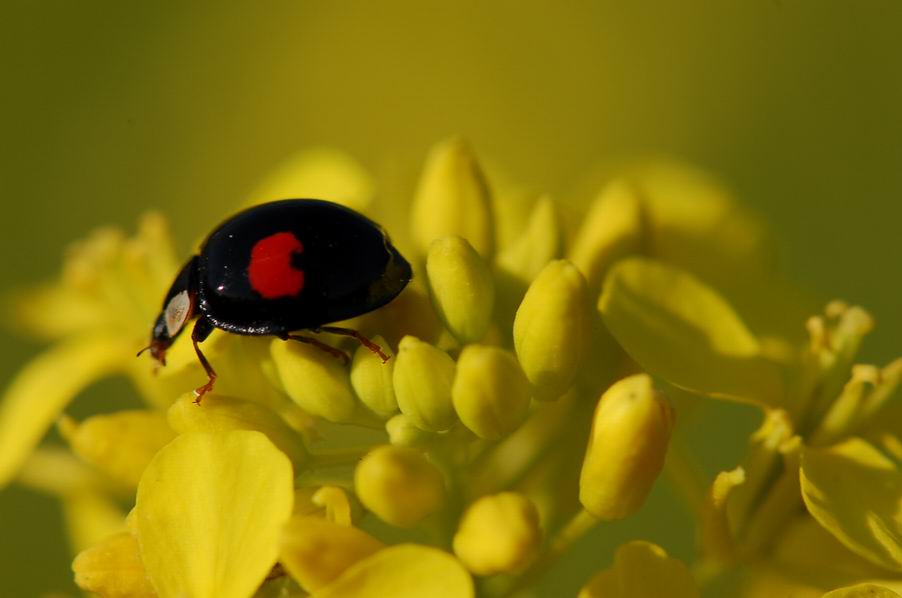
(109, 109)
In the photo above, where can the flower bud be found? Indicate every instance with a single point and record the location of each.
(626, 450)
(611, 230)
(314, 380)
(119, 444)
(539, 243)
(315, 551)
(399, 485)
(460, 284)
(403, 432)
(422, 378)
(224, 414)
(490, 391)
(498, 534)
(372, 379)
(453, 199)
(113, 568)
(551, 329)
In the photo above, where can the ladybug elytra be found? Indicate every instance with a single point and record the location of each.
(281, 267)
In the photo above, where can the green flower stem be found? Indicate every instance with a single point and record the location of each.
(338, 457)
(686, 477)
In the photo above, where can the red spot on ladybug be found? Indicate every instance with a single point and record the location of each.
(270, 270)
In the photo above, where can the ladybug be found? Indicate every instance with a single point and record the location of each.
(281, 267)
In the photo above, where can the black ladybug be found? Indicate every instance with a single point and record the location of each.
(280, 267)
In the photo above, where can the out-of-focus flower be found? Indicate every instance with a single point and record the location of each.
(291, 478)
(642, 570)
(820, 412)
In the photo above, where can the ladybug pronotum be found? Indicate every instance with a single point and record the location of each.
(281, 267)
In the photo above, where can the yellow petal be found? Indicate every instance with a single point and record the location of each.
(490, 391)
(120, 444)
(855, 492)
(461, 288)
(551, 329)
(403, 571)
(422, 378)
(222, 414)
(642, 570)
(678, 328)
(399, 485)
(315, 380)
(316, 551)
(862, 590)
(716, 534)
(113, 569)
(611, 230)
(453, 199)
(498, 534)
(41, 390)
(372, 379)
(321, 172)
(209, 511)
(626, 449)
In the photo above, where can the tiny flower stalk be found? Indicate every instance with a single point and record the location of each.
(626, 450)
(461, 287)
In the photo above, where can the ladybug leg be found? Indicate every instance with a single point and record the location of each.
(355, 334)
(336, 353)
(202, 329)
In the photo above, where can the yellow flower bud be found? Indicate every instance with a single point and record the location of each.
(498, 534)
(372, 379)
(539, 243)
(453, 199)
(224, 414)
(626, 450)
(490, 391)
(119, 444)
(399, 485)
(611, 230)
(460, 284)
(551, 329)
(422, 377)
(315, 551)
(403, 432)
(314, 380)
(113, 568)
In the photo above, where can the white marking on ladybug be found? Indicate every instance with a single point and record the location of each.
(177, 311)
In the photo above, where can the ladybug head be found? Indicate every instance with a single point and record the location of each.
(177, 310)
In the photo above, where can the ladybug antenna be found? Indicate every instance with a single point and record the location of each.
(143, 350)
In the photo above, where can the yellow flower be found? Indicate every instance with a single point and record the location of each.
(474, 450)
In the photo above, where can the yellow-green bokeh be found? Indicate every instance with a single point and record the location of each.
(109, 109)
